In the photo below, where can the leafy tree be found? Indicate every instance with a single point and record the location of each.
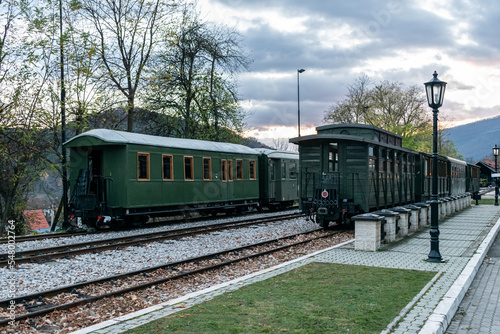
(24, 72)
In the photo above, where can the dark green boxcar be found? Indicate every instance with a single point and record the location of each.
(129, 176)
(347, 169)
(351, 168)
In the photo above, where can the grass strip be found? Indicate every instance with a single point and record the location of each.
(484, 201)
(316, 298)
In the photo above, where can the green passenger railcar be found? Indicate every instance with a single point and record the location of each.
(279, 175)
(473, 173)
(119, 177)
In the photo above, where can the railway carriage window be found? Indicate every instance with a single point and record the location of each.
(230, 169)
(372, 159)
(442, 169)
(390, 162)
(396, 162)
(331, 163)
(207, 169)
(223, 166)
(143, 166)
(251, 164)
(283, 170)
(188, 169)
(381, 161)
(239, 169)
(272, 175)
(168, 168)
(333, 158)
(293, 171)
(371, 164)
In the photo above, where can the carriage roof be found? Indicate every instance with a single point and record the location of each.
(277, 154)
(114, 137)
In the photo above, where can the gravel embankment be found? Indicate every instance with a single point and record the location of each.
(40, 277)
(65, 321)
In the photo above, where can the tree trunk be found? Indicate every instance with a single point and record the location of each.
(58, 214)
(214, 102)
(130, 113)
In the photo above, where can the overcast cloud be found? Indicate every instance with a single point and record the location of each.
(336, 41)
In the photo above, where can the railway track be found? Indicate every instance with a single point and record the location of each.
(52, 235)
(56, 235)
(66, 251)
(43, 303)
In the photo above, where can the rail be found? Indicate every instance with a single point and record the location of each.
(45, 307)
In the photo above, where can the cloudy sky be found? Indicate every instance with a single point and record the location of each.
(336, 41)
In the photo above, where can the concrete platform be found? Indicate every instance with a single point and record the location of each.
(465, 240)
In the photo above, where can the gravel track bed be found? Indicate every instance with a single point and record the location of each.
(40, 277)
(86, 315)
(46, 243)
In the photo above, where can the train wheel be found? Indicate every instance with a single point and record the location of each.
(324, 223)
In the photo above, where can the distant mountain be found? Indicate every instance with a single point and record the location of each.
(475, 140)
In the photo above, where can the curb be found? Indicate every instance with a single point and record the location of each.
(441, 317)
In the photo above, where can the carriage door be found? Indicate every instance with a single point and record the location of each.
(272, 180)
(96, 180)
(227, 177)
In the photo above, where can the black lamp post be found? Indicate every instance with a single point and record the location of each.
(495, 153)
(298, 98)
(435, 94)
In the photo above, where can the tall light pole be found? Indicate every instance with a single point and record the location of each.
(298, 98)
(495, 153)
(435, 94)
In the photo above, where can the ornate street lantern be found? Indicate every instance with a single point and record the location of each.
(435, 94)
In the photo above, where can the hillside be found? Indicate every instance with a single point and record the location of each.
(476, 140)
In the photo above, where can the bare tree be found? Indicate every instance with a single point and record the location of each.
(126, 32)
(194, 80)
(280, 144)
(225, 52)
(355, 107)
